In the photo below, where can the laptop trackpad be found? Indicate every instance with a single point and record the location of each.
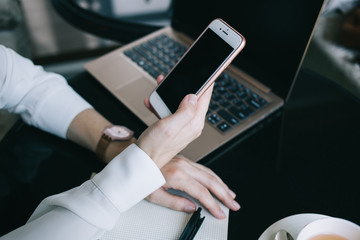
(133, 95)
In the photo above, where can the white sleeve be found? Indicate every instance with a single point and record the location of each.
(87, 211)
(43, 99)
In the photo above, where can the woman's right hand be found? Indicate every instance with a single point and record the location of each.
(167, 137)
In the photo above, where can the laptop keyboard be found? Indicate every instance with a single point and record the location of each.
(158, 55)
(231, 102)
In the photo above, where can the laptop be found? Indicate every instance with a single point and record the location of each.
(254, 86)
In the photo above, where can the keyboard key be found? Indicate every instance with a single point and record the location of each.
(224, 103)
(223, 82)
(232, 80)
(240, 86)
(263, 101)
(237, 102)
(229, 96)
(224, 127)
(220, 90)
(148, 48)
(216, 97)
(228, 117)
(255, 96)
(213, 106)
(242, 112)
(241, 94)
(257, 102)
(214, 119)
(254, 103)
(232, 88)
(236, 111)
(247, 110)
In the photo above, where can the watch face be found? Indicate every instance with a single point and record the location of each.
(118, 133)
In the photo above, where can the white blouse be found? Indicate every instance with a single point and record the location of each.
(45, 100)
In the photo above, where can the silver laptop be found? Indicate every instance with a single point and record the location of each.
(256, 85)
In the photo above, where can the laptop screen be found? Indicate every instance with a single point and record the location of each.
(277, 33)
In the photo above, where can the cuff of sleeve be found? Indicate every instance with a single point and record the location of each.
(68, 104)
(129, 178)
(125, 181)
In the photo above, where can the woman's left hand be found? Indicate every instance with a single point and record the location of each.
(197, 181)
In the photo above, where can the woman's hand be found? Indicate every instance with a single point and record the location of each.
(167, 137)
(197, 181)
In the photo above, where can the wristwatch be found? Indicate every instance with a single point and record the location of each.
(110, 134)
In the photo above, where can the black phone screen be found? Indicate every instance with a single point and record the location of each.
(195, 68)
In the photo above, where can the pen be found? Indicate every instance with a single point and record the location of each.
(192, 226)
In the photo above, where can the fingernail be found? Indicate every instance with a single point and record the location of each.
(189, 209)
(236, 205)
(233, 195)
(192, 99)
(222, 214)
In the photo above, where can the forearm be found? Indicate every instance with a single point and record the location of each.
(43, 99)
(86, 130)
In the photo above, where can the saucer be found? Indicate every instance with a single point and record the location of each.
(293, 224)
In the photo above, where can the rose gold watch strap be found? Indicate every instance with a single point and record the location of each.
(102, 146)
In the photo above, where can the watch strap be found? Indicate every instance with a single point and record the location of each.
(102, 146)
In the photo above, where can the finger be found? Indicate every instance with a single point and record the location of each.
(209, 171)
(147, 102)
(200, 166)
(159, 79)
(163, 198)
(206, 169)
(148, 106)
(177, 177)
(211, 181)
(199, 192)
(218, 188)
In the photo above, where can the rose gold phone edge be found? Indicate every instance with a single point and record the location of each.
(226, 63)
(155, 99)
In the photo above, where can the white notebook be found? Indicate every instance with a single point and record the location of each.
(148, 221)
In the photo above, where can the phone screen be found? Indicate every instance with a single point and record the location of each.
(196, 67)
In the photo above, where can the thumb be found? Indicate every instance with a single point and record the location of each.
(189, 100)
(187, 109)
(183, 115)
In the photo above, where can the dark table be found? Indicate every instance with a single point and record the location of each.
(305, 159)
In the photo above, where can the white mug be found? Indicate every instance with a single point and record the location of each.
(330, 229)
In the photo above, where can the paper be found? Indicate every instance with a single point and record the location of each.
(150, 221)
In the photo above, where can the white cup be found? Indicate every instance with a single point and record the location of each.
(343, 229)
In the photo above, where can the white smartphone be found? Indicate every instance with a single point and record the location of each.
(198, 68)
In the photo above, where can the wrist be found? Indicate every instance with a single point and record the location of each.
(153, 152)
(87, 128)
(115, 148)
